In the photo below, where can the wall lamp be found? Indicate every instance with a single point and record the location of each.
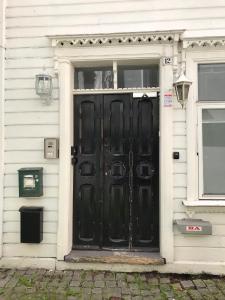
(43, 87)
(182, 86)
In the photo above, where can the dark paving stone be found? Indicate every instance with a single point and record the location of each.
(130, 278)
(199, 283)
(187, 284)
(153, 281)
(99, 276)
(110, 276)
(99, 284)
(87, 284)
(110, 284)
(122, 284)
(75, 283)
(164, 280)
(125, 291)
(97, 291)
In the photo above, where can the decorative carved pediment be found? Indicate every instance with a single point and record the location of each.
(116, 39)
(210, 42)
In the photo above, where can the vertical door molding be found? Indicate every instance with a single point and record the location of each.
(166, 162)
(65, 216)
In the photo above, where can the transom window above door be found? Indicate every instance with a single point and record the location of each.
(117, 75)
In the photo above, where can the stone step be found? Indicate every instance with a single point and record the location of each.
(113, 257)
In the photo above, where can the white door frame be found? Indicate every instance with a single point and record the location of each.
(66, 60)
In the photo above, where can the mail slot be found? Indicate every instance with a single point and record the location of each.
(30, 182)
(194, 226)
(31, 224)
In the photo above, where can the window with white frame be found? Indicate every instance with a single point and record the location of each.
(211, 130)
(136, 74)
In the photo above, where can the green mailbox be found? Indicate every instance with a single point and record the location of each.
(30, 182)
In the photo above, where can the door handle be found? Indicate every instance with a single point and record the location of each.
(74, 153)
(107, 170)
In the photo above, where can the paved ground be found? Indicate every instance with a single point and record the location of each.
(71, 285)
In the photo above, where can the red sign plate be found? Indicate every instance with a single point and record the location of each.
(192, 228)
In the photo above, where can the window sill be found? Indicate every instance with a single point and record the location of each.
(204, 203)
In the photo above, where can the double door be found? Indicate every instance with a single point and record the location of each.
(116, 172)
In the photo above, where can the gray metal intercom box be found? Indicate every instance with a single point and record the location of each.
(51, 148)
(194, 226)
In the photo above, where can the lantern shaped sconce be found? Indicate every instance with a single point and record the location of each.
(182, 86)
(43, 87)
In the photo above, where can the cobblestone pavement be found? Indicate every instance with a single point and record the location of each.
(71, 285)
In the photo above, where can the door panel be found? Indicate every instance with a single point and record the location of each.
(145, 172)
(116, 171)
(88, 197)
(116, 167)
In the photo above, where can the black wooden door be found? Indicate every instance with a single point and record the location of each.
(116, 171)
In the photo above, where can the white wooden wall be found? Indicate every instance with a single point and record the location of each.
(28, 121)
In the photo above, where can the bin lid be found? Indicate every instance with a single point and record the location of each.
(30, 208)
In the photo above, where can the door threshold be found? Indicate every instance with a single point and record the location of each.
(114, 257)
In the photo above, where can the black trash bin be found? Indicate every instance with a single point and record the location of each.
(31, 224)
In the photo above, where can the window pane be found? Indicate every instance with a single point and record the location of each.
(211, 82)
(94, 78)
(213, 128)
(138, 76)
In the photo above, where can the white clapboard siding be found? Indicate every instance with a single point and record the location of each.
(12, 227)
(179, 128)
(29, 63)
(12, 192)
(26, 73)
(128, 14)
(120, 26)
(50, 166)
(31, 250)
(16, 131)
(28, 42)
(32, 105)
(179, 180)
(179, 168)
(24, 157)
(210, 241)
(26, 94)
(198, 254)
(29, 52)
(14, 238)
(48, 180)
(179, 141)
(49, 204)
(16, 83)
(28, 118)
(154, 3)
(99, 8)
(14, 144)
(180, 192)
(178, 206)
(179, 115)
